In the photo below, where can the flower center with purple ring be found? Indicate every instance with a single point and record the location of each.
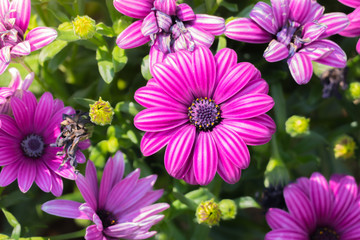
(10, 34)
(324, 233)
(290, 35)
(107, 218)
(33, 146)
(204, 114)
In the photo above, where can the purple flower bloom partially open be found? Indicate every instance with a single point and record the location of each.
(206, 110)
(14, 19)
(169, 27)
(353, 30)
(295, 30)
(16, 88)
(120, 208)
(317, 210)
(25, 139)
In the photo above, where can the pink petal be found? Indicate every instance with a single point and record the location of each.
(300, 207)
(43, 111)
(92, 233)
(258, 85)
(159, 119)
(235, 80)
(21, 49)
(4, 7)
(134, 8)
(352, 30)
(299, 10)
(281, 10)
(56, 185)
(337, 58)
(350, 3)
(313, 30)
(91, 177)
(149, 25)
(247, 106)
(285, 234)
(353, 233)
(40, 37)
(64, 208)
(9, 126)
(358, 46)
(189, 176)
(246, 30)
(26, 175)
(231, 146)
(204, 71)
(132, 37)
(335, 22)
(15, 79)
(152, 142)
(12, 153)
(212, 24)
(122, 230)
(155, 56)
(177, 154)
(166, 6)
(9, 173)
(184, 12)
(5, 56)
(3, 66)
(262, 14)
(224, 59)
(279, 219)
(200, 36)
(227, 170)
(43, 177)
(276, 51)
(86, 191)
(205, 158)
(301, 68)
(22, 11)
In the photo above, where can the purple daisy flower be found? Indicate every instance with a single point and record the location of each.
(25, 139)
(317, 210)
(120, 208)
(353, 30)
(295, 30)
(207, 110)
(14, 19)
(169, 27)
(16, 88)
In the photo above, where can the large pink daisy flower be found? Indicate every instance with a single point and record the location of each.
(14, 19)
(206, 109)
(25, 139)
(318, 210)
(120, 208)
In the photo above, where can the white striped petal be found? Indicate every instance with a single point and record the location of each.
(40, 37)
(301, 68)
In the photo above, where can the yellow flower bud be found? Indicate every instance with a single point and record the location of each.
(354, 90)
(101, 112)
(228, 209)
(208, 212)
(84, 27)
(297, 126)
(344, 147)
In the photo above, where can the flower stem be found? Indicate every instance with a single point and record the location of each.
(28, 68)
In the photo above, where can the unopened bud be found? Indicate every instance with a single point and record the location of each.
(354, 90)
(228, 209)
(101, 112)
(297, 126)
(84, 27)
(208, 212)
(344, 147)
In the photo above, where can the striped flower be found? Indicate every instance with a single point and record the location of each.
(317, 210)
(14, 19)
(295, 30)
(206, 110)
(169, 27)
(353, 30)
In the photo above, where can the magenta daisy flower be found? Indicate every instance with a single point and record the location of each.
(25, 139)
(296, 31)
(16, 88)
(169, 27)
(206, 110)
(14, 19)
(317, 210)
(353, 30)
(120, 207)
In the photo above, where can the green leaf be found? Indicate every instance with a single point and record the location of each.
(16, 232)
(119, 58)
(10, 218)
(183, 202)
(105, 30)
(145, 68)
(192, 199)
(66, 32)
(84, 101)
(105, 64)
(276, 173)
(51, 50)
(3, 236)
(246, 202)
(127, 107)
(232, 7)
(34, 238)
(221, 43)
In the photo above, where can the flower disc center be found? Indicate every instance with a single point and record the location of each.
(33, 146)
(324, 233)
(204, 114)
(107, 218)
(10, 34)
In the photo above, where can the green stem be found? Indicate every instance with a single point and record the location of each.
(72, 235)
(28, 68)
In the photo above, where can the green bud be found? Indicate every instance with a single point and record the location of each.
(84, 27)
(208, 212)
(297, 126)
(228, 209)
(344, 147)
(101, 112)
(354, 90)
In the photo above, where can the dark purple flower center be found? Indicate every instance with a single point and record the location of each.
(204, 113)
(107, 218)
(10, 34)
(33, 146)
(290, 35)
(324, 233)
(273, 197)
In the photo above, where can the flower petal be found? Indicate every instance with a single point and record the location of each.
(132, 36)
(166, 6)
(4, 7)
(205, 158)
(5, 55)
(43, 177)
(224, 59)
(279, 219)
(352, 30)
(200, 36)
(9, 126)
(134, 8)
(299, 10)
(184, 12)
(56, 185)
(149, 25)
(350, 3)
(282, 234)
(9, 173)
(276, 51)
(336, 58)
(301, 68)
(155, 56)
(281, 10)
(3, 66)
(86, 191)
(258, 85)
(40, 37)
(21, 49)
(43, 111)
(64, 208)
(159, 119)
(246, 30)
(92, 233)
(231, 145)
(26, 175)
(335, 22)
(152, 142)
(212, 24)
(263, 15)
(177, 155)
(227, 170)
(22, 12)
(91, 177)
